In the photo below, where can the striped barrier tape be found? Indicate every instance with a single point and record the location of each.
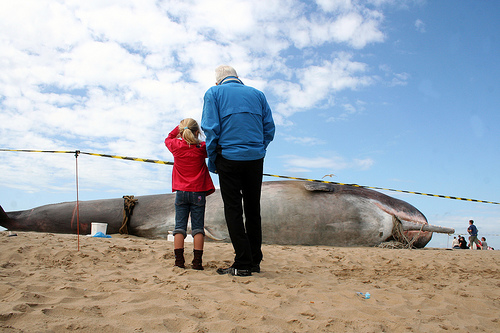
(39, 151)
(76, 152)
(386, 189)
(130, 158)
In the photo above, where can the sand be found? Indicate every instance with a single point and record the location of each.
(129, 284)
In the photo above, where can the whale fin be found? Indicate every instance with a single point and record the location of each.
(323, 187)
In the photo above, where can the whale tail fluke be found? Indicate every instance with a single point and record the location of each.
(3, 216)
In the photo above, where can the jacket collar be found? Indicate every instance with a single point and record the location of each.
(230, 79)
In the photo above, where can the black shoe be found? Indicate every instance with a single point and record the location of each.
(234, 271)
(255, 269)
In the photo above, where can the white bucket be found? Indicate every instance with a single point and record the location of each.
(188, 239)
(98, 227)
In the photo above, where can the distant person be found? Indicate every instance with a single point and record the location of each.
(472, 230)
(463, 243)
(238, 124)
(455, 244)
(484, 244)
(192, 183)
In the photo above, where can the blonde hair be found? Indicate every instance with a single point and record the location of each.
(224, 71)
(189, 131)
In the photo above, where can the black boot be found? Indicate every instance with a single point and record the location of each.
(179, 258)
(197, 262)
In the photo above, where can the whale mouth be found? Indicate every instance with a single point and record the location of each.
(411, 234)
(414, 222)
(408, 236)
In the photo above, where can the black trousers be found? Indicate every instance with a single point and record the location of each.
(240, 186)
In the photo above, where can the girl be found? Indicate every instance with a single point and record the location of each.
(192, 183)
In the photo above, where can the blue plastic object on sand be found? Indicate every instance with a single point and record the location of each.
(363, 295)
(99, 234)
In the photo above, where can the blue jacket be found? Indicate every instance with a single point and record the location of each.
(237, 120)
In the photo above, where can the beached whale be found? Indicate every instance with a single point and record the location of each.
(293, 213)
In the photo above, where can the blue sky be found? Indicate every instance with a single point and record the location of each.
(384, 93)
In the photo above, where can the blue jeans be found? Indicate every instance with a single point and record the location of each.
(186, 203)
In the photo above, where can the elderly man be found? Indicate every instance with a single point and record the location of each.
(238, 125)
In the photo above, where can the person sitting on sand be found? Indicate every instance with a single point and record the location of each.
(484, 244)
(455, 244)
(463, 243)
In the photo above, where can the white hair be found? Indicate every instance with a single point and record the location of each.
(224, 71)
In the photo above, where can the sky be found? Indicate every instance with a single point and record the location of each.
(399, 94)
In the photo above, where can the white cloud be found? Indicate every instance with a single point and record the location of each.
(329, 164)
(349, 110)
(364, 164)
(39, 26)
(306, 141)
(358, 30)
(400, 79)
(86, 63)
(394, 79)
(116, 76)
(315, 163)
(319, 83)
(420, 26)
(354, 28)
(335, 6)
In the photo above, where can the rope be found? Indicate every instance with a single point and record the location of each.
(128, 206)
(392, 245)
(400, 240)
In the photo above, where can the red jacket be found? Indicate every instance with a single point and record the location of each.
(190, 172)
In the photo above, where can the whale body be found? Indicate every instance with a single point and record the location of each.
(293, 213)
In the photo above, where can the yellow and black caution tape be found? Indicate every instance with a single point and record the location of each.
(76, 152)
(130, 158)
(40, 151)
(386, 189)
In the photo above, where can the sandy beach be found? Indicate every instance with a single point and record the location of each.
(129, 284)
